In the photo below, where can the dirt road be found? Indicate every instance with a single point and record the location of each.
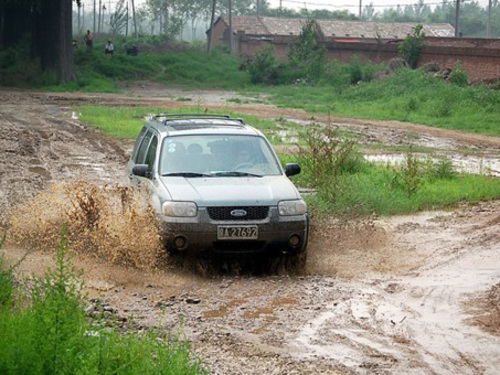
(413, 294)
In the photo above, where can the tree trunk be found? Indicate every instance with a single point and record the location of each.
(135, 21)
(54, 34)
(230, 10)
(65, 66)
(212, 21)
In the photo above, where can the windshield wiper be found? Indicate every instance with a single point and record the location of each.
(186, 174)
(236, 174)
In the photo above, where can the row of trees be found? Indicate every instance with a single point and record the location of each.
(174, 18)
(49, 23)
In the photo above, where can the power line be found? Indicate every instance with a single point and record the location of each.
(305, 3)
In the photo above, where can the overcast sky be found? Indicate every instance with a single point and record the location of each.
(332, 5)
(351, 5)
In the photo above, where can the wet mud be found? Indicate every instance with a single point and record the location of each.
(415, 294)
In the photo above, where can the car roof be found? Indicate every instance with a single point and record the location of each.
(185, 124)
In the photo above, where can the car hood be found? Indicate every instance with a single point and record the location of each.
(231, 191)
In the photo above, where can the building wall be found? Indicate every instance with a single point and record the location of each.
(480, 58)
(219, 29)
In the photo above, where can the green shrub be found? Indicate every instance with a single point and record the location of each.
(355, 70)
(263, 68)
(412, 46)
(408, 177)
(458, 76)
(49, 333)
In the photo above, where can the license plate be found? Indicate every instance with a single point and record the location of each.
(237, 232)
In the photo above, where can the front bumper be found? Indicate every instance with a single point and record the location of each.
(276, 234)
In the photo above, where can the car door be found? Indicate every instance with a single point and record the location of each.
(139, 155)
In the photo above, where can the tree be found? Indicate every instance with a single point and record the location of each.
(306, 54)
(118, 18)
(49, 24)
(53, 36)
(412, 46)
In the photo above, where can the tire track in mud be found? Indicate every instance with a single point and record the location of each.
(385, 297)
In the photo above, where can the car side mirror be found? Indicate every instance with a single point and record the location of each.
(141, 170)
(292, 169)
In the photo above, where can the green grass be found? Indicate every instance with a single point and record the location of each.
(408, 95)
(126, 122)
(411, 96)
(372, 192)
(44, 330)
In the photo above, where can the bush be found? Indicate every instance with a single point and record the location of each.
(355, 70)
(412, 46)
(408, 177)
(263, 68)
(49, 333)
(326, 157)
(458, 76)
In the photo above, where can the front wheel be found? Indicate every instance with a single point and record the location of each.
(289, 263)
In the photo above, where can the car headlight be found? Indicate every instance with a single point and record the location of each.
(289, 208)
(181, 209)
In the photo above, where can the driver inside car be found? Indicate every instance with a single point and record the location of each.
(243, 159)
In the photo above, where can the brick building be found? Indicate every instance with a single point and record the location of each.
(371, 41)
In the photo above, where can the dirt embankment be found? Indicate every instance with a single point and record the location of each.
(403, 295)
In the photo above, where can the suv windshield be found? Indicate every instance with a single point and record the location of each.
(217, 155)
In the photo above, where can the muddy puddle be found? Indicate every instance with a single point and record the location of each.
(414, 295)
(489, 166)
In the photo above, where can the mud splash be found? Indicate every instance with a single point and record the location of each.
(110, 222)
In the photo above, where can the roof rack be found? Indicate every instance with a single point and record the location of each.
(174, 116)
(200, 116)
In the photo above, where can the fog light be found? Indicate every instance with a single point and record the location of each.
(180, 242)
(294, 240)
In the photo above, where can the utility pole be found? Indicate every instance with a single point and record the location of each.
(94, 18)
(230, 11)
(257, 7)
(457, 19)
(488, 27)
(360, 9)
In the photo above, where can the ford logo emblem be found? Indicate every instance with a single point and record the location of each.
(238, 213)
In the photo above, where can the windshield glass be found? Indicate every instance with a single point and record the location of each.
(217, 155)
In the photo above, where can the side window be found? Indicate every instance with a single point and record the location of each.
(141, 153)
(138, 142)
(151, 155)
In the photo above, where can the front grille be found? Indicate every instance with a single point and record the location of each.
(252, 213)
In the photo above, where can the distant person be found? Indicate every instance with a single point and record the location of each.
(89, 40)
(132, 51)
(110, 48)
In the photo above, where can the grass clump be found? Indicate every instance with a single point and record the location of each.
(45, 331)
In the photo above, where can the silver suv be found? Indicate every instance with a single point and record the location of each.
(218, 186)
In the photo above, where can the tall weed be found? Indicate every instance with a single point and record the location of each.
(49, 333)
